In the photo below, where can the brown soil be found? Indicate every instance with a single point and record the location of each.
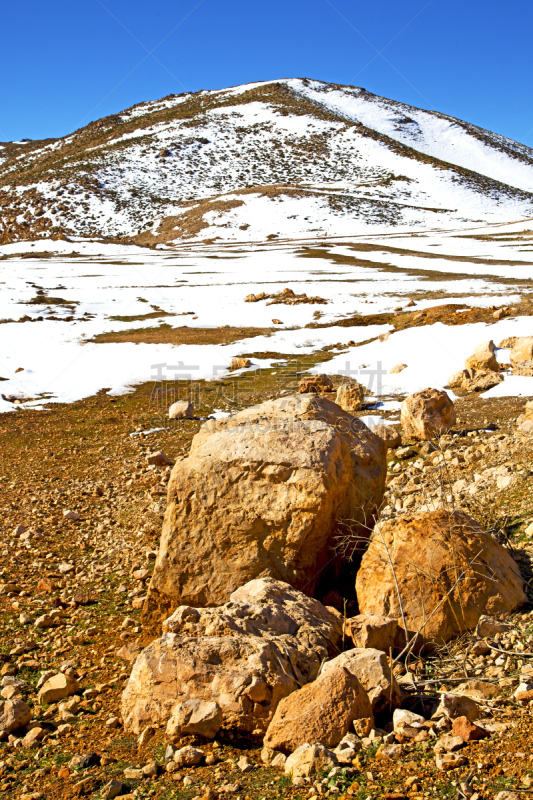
(164, 334)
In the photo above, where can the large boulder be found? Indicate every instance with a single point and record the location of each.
(350, 396)
(373, 670)
(446, 569)
(239, 659)
(483, 358)
(472, 380)
(263, 493)
(522, 355)
(322, 711)
(427, 414)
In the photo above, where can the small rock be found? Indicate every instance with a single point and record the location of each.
(133, 773)
(446, 761)
(488, 626)
(279, 761)
(244, 764)
(468, 731)
(57, 687)
(455, 705)
(398, 368)
(73, 515)
(188, 756)
(308, 759)
(112, 789)
(159, 459)
(448, 743)
(151, 769)
(89, 760)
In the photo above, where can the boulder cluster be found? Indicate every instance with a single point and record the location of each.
(272, 540)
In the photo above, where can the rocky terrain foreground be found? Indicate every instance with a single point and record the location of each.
(280, 603)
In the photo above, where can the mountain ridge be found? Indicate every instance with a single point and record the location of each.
(124, 177)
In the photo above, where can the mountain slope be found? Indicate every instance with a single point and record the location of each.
(278, 159)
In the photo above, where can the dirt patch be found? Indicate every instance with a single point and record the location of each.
(165, 334)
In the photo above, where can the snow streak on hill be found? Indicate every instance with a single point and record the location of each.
(269, 160)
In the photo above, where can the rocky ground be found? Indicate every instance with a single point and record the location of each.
(81, 517)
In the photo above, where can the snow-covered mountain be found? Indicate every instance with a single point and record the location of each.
(278, 159)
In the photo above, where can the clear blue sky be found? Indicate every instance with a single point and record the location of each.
(66, 62)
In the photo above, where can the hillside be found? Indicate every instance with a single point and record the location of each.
(282, 159)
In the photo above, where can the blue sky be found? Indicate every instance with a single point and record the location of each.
(67, 62)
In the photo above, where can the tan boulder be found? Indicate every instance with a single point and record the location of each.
(522, 355)
(374, 671)
(472, 380)
(322, 711)
(57, 688)
(181, 409)
(483, 358)
(265, 643)
(427, 414)
(350, 396)
(13, 715)
(448, 570)
(263, 493)
(240, 363)
(390, 434)
(315, 384)
(368, 630)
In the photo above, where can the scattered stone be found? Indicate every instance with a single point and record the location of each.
(57, 687)
(448, 743)
(159, 459)
(72, 515)
(446, 761)
(188, 756)
(397, 368)
(467, 730)
(456, 705)
(309, 759)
